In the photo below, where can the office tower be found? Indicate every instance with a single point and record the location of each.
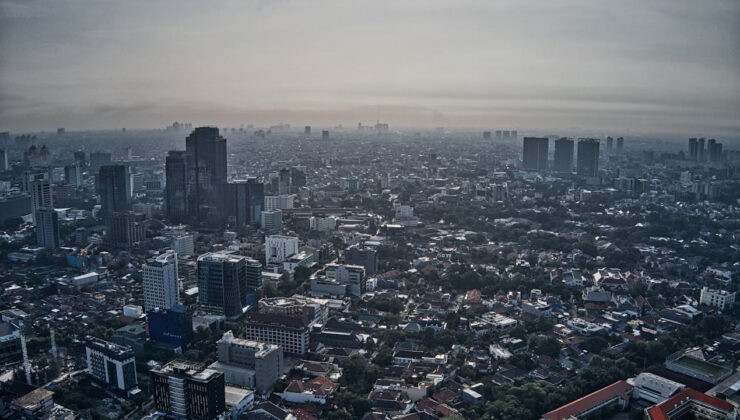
(486, 135)
(297, 178)
(693, 149)
(47, 228)
(111, 364)
(114, 187)
(284, 181)
(307, 130)
(620, 146)
(248, 363)
(41, 197)
(534, 153)
(73, 175)
(254, 275)
(278, 248)
(506, 134)
(123, 230)
(700, 150)
(514, 134)
(80, 159)
(206, 161)
(498, 134)
(222, 282)
(172, 327)
(3, 160)
(588, 158)
(714, 151)
(324, 134)
(246, 201)
(563, 158)
(176, 187)
(609, 145)
(186, 390)
(273, 202)
(366, 257)
(183, 245)
(351, 275)
(272, 222)
(161, 285)
(98, 159)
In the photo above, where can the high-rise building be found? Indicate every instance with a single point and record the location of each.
(284, 181)
(609, 145)
(248, 363)
(620, 146)
(297, 178)
(80, 159)
(693, 149)
(186, 390)
(98, 159)
(124, 231)
(714, 151)
(47, 228)
(278, 248)
(176, 188)
(325, 134)
(161, 285)
(700, 152)
(254, 275)
(206, 161)
(307, 130)
(285, 322)
(486, 135)
(41, 196)
(246, 201)
(114, 187)
(272, 222)
(563, 158)
(285, 201)
(73, 175)
(222, 283)
(366, 257)
(111, 364)
(588, 158)
(534, 153)
(3, 160)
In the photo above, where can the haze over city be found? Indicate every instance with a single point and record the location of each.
(650, 67)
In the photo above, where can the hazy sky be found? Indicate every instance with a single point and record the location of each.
(650, 66)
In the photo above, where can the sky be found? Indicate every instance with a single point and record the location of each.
(631, 65)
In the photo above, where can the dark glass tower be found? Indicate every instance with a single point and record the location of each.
(114, 187)
(563, 159)
(588, 158)
(176, 197)
(246, 200)
(205, 151)
(222, 283)
(534, 153)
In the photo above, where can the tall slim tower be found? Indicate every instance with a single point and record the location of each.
(563, 159)
(114, 187)
(47, 228)
(41, 197)
(246, 200)
(534, 153)
(176, 189)
(205, 151)
(588, 158)
(693, 149)
(161, 283)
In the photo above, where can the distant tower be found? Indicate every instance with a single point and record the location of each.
(307, 130)
(486, 135)
(41, 197)
(609, 145)
(563, 159)
(47, 228)
(325, 134)
(534, 153)
(206, 160)
(620, 146)
(693, 149)
(176, 188)
(114, 187)
(588, 158)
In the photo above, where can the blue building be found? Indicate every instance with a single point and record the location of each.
(172, 328)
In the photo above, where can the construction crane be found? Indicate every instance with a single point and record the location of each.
(83, 255)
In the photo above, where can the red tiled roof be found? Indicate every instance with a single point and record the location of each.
(688, 395)
(591, 400)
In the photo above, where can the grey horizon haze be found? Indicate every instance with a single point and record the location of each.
(644, 66)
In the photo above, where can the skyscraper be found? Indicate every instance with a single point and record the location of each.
(609, 145)
(284, 181)
(307, 130)
(114, 187)
(176, 189)
(161, 284)
(588, 158)
(186, 390)
(254, 275)
(3, 160)
(41, 197)
(245, 201)
(206, 162)
(534, 153)
(620, 146)
(714, 151)
(47, 228)
(123, 230)
(700, 150)
(563, 158)
(693, 149)
(73, 174)
(222, 281)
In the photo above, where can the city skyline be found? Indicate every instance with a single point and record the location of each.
(663, 67)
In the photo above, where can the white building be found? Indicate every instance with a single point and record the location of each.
(40, 196)
(654, 388)
(721, 299)
(183, 245)
(283, 201)
(111, 364)
(323, 224)
(351, 275)
(272, 221)
(404, 212)
(279, 247)
(161, 283)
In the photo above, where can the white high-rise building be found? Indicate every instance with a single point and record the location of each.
(40, 196)
(721, 299)
(183, 245)
(161, 282)
(278, 248)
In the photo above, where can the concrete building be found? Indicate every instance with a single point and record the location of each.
(720, 299)
(278, 248)
(111, 364)
(587, 165)
(366, 257)
(282, 201)
(351, 275)
(185, 390)
(534, 153)
(563, 158)
(654, 388)
(47, 228)
(272, 222)
(41, 195)
(248, 363)
(161, 284)
(183, 245)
